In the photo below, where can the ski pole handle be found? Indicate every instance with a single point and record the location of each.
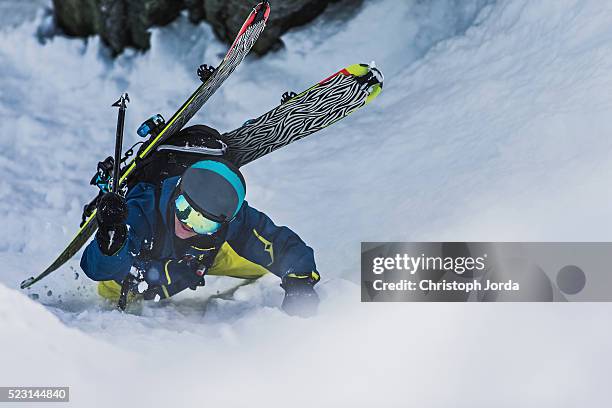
(122, 105)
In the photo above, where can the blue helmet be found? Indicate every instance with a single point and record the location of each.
(215, 188)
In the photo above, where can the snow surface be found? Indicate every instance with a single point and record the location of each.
(493, 125)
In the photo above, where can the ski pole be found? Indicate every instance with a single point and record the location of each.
(122, 105)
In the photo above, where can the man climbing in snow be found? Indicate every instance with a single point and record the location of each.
(173, 232)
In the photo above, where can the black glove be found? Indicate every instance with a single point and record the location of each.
(175, 275)
(300, 296)
(111, 216)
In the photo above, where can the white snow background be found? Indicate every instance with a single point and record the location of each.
(493, 125)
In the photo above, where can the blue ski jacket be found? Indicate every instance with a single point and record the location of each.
(250, 246)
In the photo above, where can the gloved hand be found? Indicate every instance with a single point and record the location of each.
(300, 296)
(167, 277)
(112, 229)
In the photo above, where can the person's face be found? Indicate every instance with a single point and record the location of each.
(181, 230)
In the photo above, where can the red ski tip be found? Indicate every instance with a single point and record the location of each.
(341, 72)
(262, 11)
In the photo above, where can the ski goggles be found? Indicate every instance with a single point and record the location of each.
(193, 219)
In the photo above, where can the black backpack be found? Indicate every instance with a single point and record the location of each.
(172, 158)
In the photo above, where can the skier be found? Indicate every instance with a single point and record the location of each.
(174, 233)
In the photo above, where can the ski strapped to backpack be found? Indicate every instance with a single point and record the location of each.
(303, 114)
(159, 131)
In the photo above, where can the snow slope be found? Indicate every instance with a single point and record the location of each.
(492, 126)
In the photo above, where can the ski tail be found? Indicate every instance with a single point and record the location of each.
(86, 231)
(314, 109)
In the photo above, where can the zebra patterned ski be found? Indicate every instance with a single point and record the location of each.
(314, 109)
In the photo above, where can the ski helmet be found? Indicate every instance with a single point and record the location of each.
(210, 193)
